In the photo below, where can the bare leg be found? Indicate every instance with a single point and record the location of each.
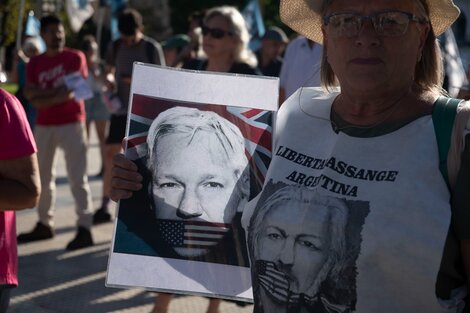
(110, 151)
(162, 301)
(213, 305)
(87, 124)
(101, 130)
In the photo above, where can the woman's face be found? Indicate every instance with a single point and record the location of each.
(219, 47)
(369, 61)
(293, 237)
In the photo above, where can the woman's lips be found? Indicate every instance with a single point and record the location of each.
(366, 61)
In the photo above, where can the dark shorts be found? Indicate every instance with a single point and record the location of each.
(117, 129)
(4, 298)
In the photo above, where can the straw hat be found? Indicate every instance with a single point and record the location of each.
(304, 17)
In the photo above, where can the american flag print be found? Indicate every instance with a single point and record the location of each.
(274, 281)
(191, 233)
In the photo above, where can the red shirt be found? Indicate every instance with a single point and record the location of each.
(16, 140)
(48, 71)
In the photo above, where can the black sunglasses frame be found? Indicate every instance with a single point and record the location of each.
(216, 33)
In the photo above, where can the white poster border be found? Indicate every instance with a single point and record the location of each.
(157, 273)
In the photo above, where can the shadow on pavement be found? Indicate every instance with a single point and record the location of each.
(60, 281)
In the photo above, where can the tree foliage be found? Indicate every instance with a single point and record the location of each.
(9, 15)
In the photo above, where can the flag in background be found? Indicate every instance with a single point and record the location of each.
(116, 7)
(254, 22)
(33, 29)
(78, 12)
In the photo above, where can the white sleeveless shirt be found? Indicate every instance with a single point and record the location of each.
(397, 206)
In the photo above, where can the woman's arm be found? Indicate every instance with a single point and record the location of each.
(19, 183)
(461, 206)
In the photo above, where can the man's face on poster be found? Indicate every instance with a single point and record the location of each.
(193, 180)
(294, 238)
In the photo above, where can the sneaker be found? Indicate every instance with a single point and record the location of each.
(83, 239)
(101, 216)
(40, 232)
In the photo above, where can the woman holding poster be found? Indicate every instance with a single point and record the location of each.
(385, 57)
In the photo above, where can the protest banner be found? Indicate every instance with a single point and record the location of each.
(202, 141)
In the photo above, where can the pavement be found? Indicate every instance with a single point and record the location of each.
(53, 280)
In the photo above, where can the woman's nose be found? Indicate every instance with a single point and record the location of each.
(367, 35)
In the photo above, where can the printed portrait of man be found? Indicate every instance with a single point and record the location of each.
(298, 245)
(198, 184)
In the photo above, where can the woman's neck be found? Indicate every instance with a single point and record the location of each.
(220, 64)
(359, 109)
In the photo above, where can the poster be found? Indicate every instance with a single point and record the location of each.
(202, 141)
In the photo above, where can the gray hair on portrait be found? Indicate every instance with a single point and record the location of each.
(429, 71)
(191, 121)
(337, 218)
(239, 28)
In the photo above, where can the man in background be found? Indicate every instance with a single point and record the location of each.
(269, 55)
(60, 123)
(301, 66)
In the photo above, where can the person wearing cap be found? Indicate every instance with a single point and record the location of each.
(174, 50)
(270, 54)
(371, 145)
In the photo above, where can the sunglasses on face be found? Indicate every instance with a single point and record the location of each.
(216, 33)
(390, 23)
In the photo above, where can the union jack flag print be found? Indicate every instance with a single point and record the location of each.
(254, 124)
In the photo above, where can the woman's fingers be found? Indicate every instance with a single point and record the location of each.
(119, 160)
(124, 178)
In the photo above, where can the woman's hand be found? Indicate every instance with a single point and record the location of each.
(125, 179)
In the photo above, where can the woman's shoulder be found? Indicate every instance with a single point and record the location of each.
(195, 64)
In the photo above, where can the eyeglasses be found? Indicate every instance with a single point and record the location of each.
(390, 23)
(216, 33)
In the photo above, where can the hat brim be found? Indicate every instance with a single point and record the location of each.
(304, 17)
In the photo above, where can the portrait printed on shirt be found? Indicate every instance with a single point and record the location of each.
(304, 246)
(198, 174)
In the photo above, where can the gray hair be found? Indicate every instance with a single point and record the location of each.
(191, 121)
(239, 28)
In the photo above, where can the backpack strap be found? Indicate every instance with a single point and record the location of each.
(443, 116)
(149, 50)
(116, 45)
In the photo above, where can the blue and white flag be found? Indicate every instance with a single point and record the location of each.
(78, 12)
(254, 22)
(33, 26)
(33, 29)
(116, 7)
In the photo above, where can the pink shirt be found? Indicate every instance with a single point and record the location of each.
(48, 72)
(16, 140)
